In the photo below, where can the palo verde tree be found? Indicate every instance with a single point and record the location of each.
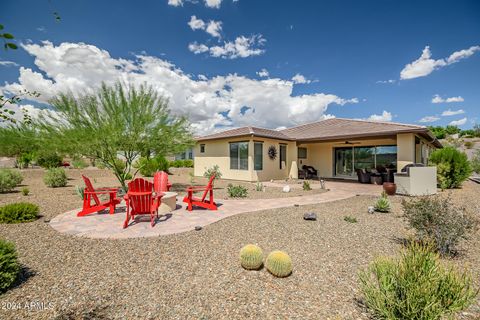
(115, 123)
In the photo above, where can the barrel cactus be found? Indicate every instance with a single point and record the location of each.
(251, 257)
(279, 264)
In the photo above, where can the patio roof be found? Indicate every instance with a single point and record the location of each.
(327, 130)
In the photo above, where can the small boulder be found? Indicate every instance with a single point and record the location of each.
(371, 209)
(286, 188)
(312, 216)
(198, 228)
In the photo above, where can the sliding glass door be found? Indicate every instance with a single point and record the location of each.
(343, 161)
(349, 159)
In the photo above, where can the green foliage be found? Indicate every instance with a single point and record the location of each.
(475, 162)
(79, 163)
(116, 121)
(259, 186)
(9, 266)
(306, 185)
(148, 166)
(187, 163)
(453, 167)
(439, 221)
(18, 212)
(17, 140)
(49, 159)
(279, 264)
(251, 257)
(215, 170)
(9, 179)
(24, 159)
(468, 144)
(350, 219)
(80, 191)
(55, 177)
(415, 286)
(438, 132)
(7, 40)
(452, 130)
(382, 204)
(25, 191)
(237, 191)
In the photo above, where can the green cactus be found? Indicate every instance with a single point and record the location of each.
(382, 205)
(279, 264)
(251, 257)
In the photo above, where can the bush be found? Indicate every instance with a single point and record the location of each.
(236, 191)
(55, 177)
(251, 257)
(9, 267)
(49, 160)
(80, 191)
(259, 186)
(468, 144)
(436, 219)
(79, 163)
(148, 166)
(415, 286)
(306, 185)
(382, 204)
(215, 170)
(187, 163)
(279, 264)
(25, 191)
(475, 163)
(19, 212)
(350, 219)
(24, 160)
(9, 179)
(453, 167)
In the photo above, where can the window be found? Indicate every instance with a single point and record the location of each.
(190, 154)
(302, 153)
(239, 155)
(364, 157)
(283, 156)
(202, 148)
(258, 156)
(387, 156)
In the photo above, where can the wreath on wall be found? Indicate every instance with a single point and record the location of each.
(272, 152)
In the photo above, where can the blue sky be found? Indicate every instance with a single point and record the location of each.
(323, 58)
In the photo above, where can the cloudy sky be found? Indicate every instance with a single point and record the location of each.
(229, 63)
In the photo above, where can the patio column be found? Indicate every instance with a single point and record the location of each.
(405, 149)
(293, 156)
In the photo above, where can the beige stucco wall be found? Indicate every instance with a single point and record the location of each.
(405, 149)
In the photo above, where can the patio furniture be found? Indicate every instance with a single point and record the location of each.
(140, 200)
(91, 193)
(416, 180)
(363, 176)
(168, 203)
(202, 202)
(376, 178)
(160, 182)
(310, 171)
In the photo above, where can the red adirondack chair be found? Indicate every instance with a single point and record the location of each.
(202, 202)
(160, 182)
(91, 193)
(141, 200)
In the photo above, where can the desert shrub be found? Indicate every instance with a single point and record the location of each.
(215, 170)
(279, 264)
(55, 177)
(350, 219)
(9, 267)
(306, 185)
(9, 179)
(237, 191)
(80, 191)
(49, 160)
(251, 257)
(453, 167)
(18, 212)
(79, 163)
(436, 219)
(259, 186)
(148, 166)
(475, 162)
(25, 191)
(24, 160)
(176, 163)
(468, 144)
(382, 204)
(415, 286)
(188, 163)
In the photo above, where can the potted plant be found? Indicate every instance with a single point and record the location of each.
(390, 188)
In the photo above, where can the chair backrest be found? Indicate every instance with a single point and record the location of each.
(160, 181)
(89, 188)
(140, 203)
(209, 186)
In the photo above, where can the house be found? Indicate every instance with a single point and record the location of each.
(336, 148)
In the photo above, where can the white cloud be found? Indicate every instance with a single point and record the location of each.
(263, 73)
(214, 28)
(80, 68)
(42, 29)
(196, 24)
(385, 117)
(8, 63)
(437, 99)
(242, 47)
(213, 3)
(175, 3)
(425, 65)
(460, 122)
(429, 119)
(300, 79)
(387, 81)
(450, 112)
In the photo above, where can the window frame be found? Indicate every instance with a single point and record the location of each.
(255, 143)
(306, 152)
(239, 159)
(202, 148)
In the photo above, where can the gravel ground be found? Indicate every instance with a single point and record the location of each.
(196, 275)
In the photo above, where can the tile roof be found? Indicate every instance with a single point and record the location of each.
(246, 131)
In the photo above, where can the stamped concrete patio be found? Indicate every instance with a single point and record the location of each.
(106, 226)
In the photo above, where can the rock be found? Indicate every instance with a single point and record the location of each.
(198, 228)
(312, 216)
(286, 188)
(296, 205)
(371, 209)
